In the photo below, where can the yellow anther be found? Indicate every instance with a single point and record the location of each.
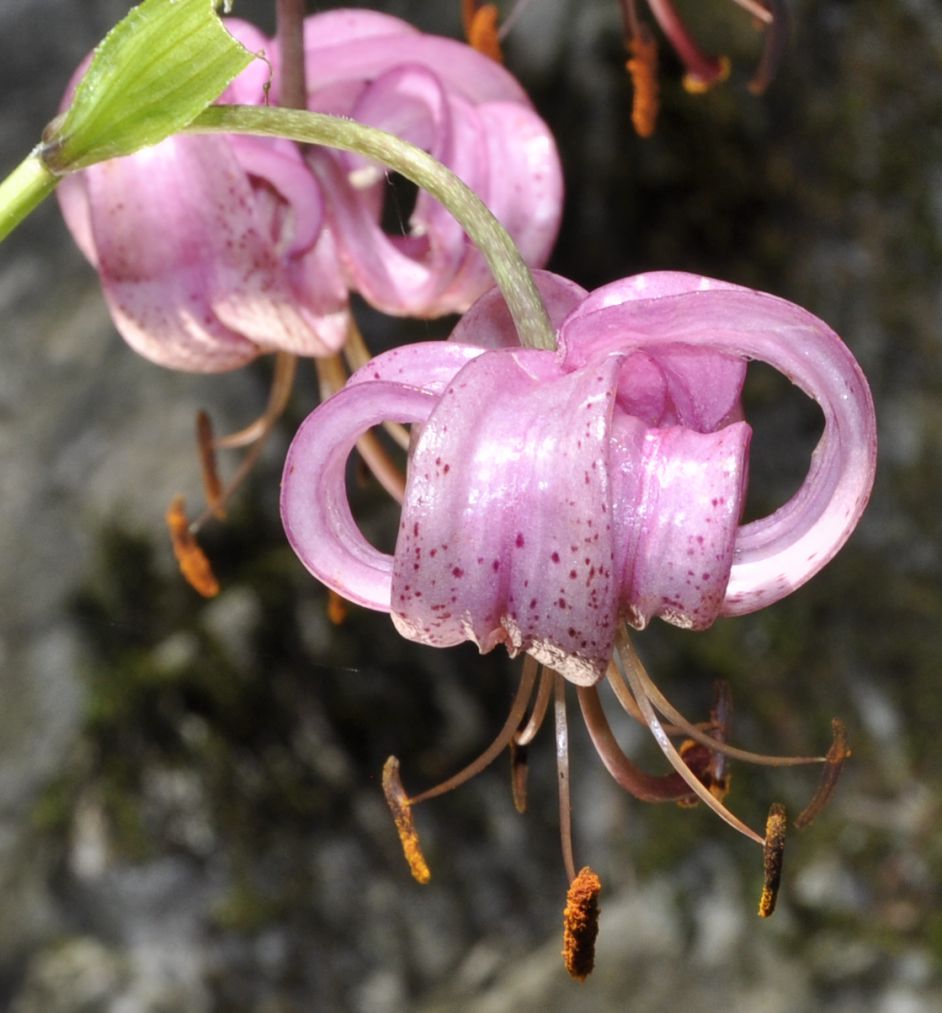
(401, 808)
(772, 855)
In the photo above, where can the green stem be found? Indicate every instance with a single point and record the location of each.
(509, 269)
(20, 193)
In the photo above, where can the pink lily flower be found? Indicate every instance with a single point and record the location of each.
(552, 496)
(215, 249)
(555, 496)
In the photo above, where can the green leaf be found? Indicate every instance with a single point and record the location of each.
(153, 73)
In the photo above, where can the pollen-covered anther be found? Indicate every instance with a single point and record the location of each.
(581, 923)
(772, 855)
(833, 765)
(480, 28)
(192, 561)
(695, 84)
(401, 807)
(336, 608)
(642, 67)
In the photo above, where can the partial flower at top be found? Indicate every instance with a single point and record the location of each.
(702, 70)
(552, 495)
(213, 249)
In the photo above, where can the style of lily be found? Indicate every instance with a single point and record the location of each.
(555, 498)
(214, 249)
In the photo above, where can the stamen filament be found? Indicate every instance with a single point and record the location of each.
(524, 736)
(643, 786)
(358, 355)
(772, 854)
(776, 38)
(562, 769)
(527, 733)
(212, 486)
(628, 659)
(282, 383)
(332, 376)
(681, 724)
(834, 764)
(517, 710)
(281, 386)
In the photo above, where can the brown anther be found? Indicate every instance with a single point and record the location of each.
(708, 767)
(212, 487)
(336, 608)
(581, 924)
(772, 854)
(518, 776)
(833, 765)
(401, 808)
(193, 563)
(642, 67)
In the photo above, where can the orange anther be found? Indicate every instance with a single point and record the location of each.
(193, 563)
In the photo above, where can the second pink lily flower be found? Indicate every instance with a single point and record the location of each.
(212, 250)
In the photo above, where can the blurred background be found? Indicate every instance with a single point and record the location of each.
(190, 811)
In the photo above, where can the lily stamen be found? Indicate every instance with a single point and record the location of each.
(562, 771)
(772, 854)
(628, 661)
(834, 764)
(581, 923)
(193, 563)
(253, 436)
(401, 807)
(524, 736)
(500, 743)
(480, 28)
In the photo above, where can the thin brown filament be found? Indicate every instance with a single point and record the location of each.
(837, 755)
(629, 662)
(682, 725)
(628, 703)
(773, 49)
(289, 16)
(527, 732)
(517, 710)
(286, 366)
(332, 375)
(358, 355)
(562, 770)
(643, 786)
(212, 486)
(282, 382)
(524, 735)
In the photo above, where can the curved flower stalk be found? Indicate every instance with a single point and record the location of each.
(552, 495)
(555, 496)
